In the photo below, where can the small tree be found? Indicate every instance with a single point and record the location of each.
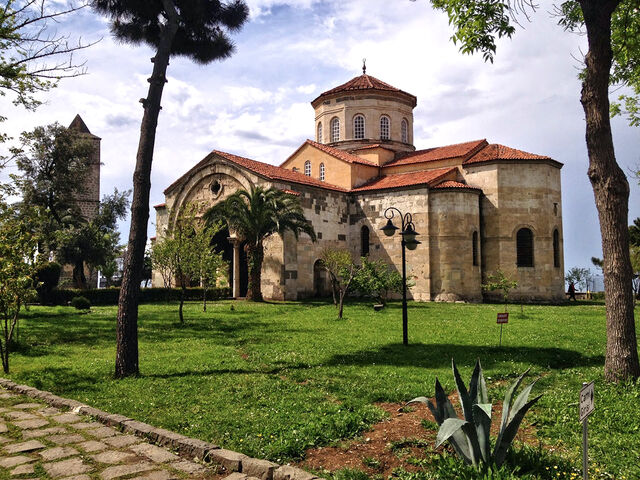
(579, 276)
(499, 281)
(161, 259)
(339, 264)
(18, 246)
(208, 265)
(377, 279)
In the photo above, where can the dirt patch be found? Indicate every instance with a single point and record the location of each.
(404, 439)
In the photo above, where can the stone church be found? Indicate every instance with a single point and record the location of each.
(478, 207)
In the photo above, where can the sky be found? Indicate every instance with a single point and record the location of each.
(257, 103)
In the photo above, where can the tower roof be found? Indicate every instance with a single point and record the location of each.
(79, 126)
(365, 82)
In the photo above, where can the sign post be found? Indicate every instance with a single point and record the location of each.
(502, 319)
(586, 409)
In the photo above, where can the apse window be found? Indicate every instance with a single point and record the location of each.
(524, 248)
(322, 172)
(307, 168)
(358, 127)
(385, 128)
(474, 248)
(556, 248)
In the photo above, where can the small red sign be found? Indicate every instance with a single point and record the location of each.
(503, 318)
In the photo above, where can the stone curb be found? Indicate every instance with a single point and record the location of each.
(253, 468)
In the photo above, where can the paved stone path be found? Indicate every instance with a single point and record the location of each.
(39, 441)
(41, 438)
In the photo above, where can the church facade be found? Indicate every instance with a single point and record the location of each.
(478, 207)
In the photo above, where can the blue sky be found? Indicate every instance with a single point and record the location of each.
(256, 103)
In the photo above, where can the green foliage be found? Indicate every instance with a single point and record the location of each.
(499, 281)
(255, 215)
(109, 296)
(579, 276)
(33, 56)
(18, 246)
(376, 278)
(47, 278)
(80, 303)
(634, 233)
(338, 262)
(470, 436)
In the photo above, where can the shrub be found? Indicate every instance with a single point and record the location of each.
(470, 437)
(47, 277)
(81, 303)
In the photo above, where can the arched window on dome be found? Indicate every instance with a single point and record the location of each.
(358, 127)
(322, 172)
(335, 129)
(319, 136)
(385, 128)
(524, 248)
(307, 168)
(404, 130)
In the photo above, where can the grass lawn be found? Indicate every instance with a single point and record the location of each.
(273, 379)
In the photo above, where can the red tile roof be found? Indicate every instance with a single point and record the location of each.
(334, 152)
(464, 150)
(429, 177)
(375, 145)
(500, 152)
(291, 192)
(452, 184)
(364, 82)
(263, 169)
(160, 205)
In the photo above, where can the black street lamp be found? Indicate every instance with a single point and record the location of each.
(409, 241)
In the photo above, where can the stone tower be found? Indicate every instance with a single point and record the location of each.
(89, 200)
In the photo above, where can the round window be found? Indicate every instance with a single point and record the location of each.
(216, 187)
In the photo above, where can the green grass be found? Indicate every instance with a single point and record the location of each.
(273, 379)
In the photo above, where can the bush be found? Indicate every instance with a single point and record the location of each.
(109, 296)
(47, 277)
(81, 303)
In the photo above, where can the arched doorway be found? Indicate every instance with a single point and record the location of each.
(321, 286)
(221, 244)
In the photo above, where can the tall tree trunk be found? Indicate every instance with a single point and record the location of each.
(79, 279)
(611, 191)
(127, 322)
(255, 255)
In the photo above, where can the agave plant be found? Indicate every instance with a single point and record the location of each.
(469, 437)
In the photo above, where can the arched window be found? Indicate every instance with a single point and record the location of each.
(474, 247)
(307, 168)
(385, 128)
(524, 248)
(404, 130)
(322, 172)
(556, 248)
(364, 241)
(358, 127)
(319, 136)
(335, 129)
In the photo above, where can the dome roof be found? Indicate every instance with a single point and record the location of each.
(365, 82)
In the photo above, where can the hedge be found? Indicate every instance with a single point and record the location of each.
(109, 296)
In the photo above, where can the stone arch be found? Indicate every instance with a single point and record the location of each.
(203, 177)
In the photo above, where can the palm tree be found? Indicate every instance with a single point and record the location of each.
(254, 216)
(197, 29)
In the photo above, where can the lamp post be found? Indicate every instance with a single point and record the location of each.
(409, 241)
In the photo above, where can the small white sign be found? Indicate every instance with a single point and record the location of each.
(586, 401)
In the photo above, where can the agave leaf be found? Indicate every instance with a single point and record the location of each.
(471, 434)
(448, 428)
(443, 404)
(521, 400)
(465, 400)
(483, 397)
(473, 384)
(506, 405)
(418, 400)
(503, 444)
(482, 419)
